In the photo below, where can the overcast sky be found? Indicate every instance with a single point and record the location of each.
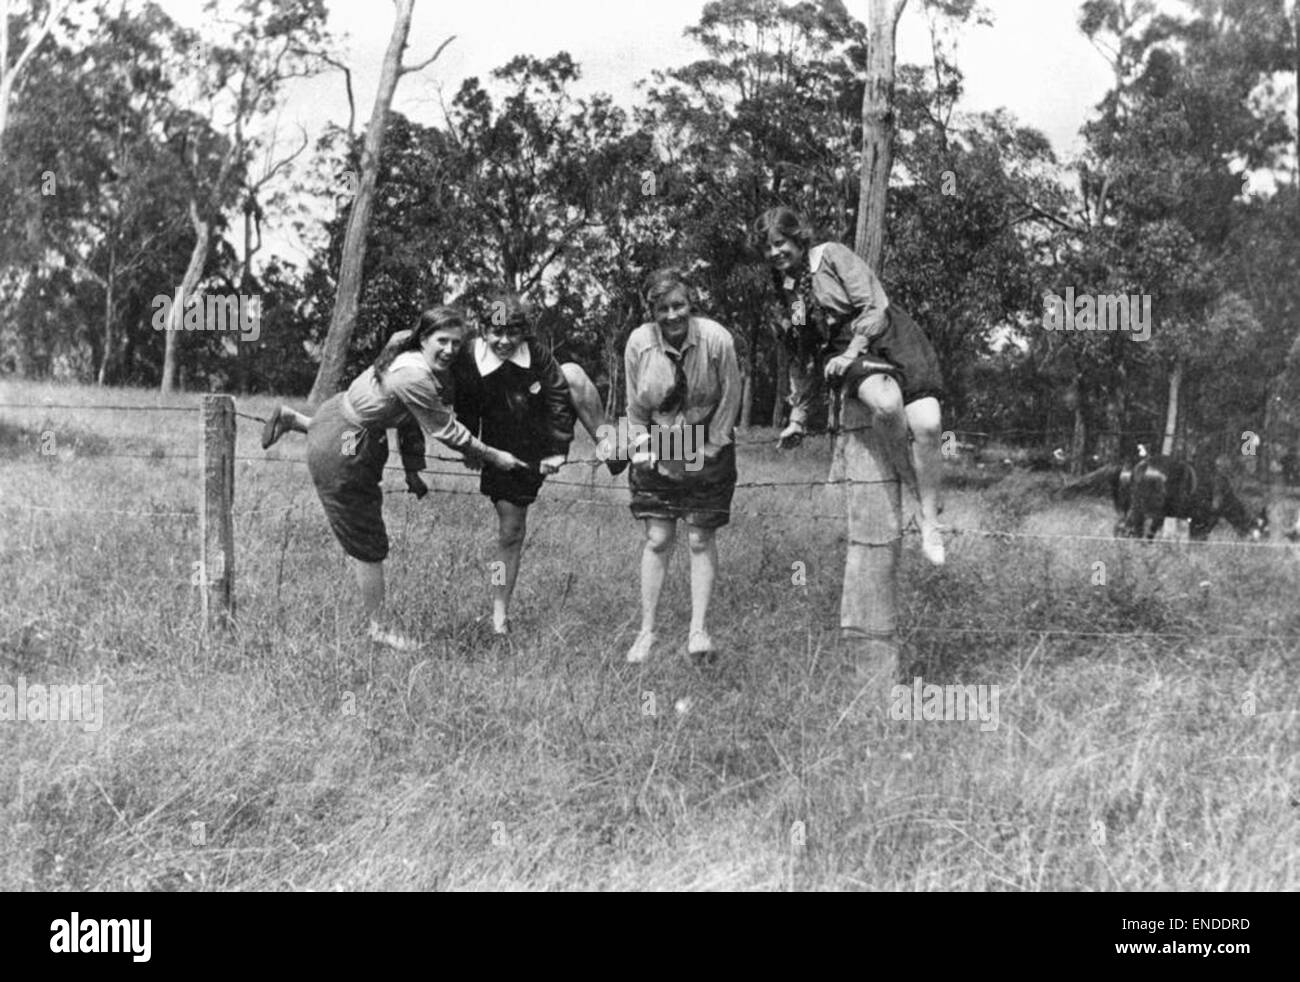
(1032, 61)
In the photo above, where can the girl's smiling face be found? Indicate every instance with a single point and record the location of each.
(504, 339)
(673, 311)
(441, 346)
(783, 252)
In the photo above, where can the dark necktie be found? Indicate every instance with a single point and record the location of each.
(677, 394)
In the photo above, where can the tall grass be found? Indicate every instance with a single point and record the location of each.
(294, 755)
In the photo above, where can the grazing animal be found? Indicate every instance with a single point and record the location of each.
(1155, 488)
(1293, 533)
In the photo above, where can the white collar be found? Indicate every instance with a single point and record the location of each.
(814, 262)
(488, 361)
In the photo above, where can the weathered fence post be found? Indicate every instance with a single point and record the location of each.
(868, 602)
(216, 524)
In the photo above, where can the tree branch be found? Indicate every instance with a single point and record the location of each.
(347, 82)
(427, 62)
(56, 10)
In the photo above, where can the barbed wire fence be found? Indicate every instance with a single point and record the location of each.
(216, 513)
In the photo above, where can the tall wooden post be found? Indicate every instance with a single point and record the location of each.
(216, 523)
(868, 601)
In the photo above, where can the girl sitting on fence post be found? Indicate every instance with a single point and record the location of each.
(841, 325)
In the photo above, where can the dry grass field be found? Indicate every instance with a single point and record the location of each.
(1147, 734)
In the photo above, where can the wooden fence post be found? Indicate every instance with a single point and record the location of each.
(868, 601)
(216, 524)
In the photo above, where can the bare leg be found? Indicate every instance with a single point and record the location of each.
(370, 580)
(585, 398)
(591, 414)
(880, 394)
(660, 537)
(704, 570)
(512, 523)
(924, 420)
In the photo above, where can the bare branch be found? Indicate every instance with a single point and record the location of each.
(55, 11)
(275, 168)
(425, 64)
(347, 82)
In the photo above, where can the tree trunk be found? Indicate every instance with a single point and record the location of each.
(1171, 414)
(868, 597)
(193, 272)
(612, 359)
(751, 370)
(782, 386)
(110, 342)
(347, 297)
(9, 76)
(877, 129)
(1079, 435)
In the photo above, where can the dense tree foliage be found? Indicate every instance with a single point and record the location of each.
(116, 155)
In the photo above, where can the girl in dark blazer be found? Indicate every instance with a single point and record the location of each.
(513, 394)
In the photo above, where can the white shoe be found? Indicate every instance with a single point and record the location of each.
(640, 649)
(700, 643)
(273, 428)
(700, 648)
(791, 436)
(932, 543)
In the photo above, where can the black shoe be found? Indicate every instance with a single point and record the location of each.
(616, 467)
(271, 429)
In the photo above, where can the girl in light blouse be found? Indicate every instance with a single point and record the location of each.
(347, 445)
(840, 324)
(682, 372)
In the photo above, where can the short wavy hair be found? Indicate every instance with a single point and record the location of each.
(664, 281)
(783, 221)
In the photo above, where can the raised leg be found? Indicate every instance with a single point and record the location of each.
(881, 395)
(585, 398)
(591, 414)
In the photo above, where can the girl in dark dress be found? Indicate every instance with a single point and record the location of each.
(513, 394)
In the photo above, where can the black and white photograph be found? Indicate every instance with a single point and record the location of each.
(744, 446)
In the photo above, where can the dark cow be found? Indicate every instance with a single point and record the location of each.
(1155, 488)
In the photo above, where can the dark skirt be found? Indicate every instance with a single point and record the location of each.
(346, 462)
(905, 346)
(517, 487)
(701, 498)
